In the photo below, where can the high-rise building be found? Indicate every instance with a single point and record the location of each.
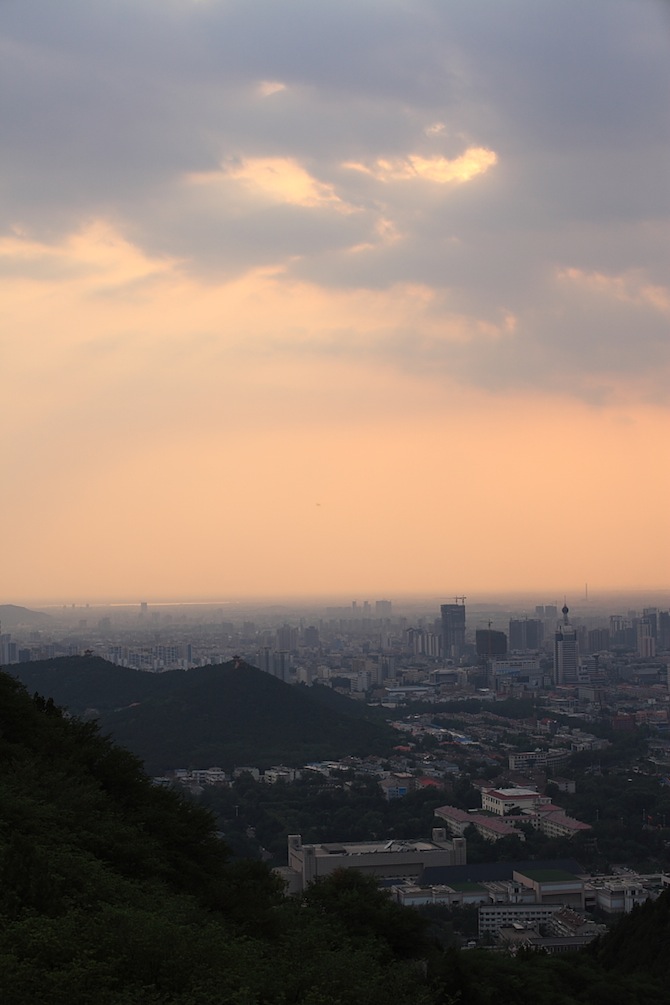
(6, 650)
(598, 640)
(646, 641)
(287, 638)
(526, 634)
(310, 637)
(383, 608)
(663, 630)
(453, 629)
(490, 642)
(281, 665)
(650, 615)
(566, 652)
(264, 660)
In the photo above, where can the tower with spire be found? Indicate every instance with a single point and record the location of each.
(566, 651)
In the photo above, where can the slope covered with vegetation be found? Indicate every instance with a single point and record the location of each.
(227, 715)
(117, 892)
(113, 890)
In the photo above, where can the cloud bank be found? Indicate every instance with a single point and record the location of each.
(222, 218)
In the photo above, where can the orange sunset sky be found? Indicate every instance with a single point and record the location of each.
(329, 298)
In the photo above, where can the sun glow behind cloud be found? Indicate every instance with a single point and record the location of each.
(267, 88)
(280, 179)
(475, 161)
(394, 264)
(631, 288)
(284, 384)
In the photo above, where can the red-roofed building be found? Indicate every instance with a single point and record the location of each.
(490, 828)
(554, 822)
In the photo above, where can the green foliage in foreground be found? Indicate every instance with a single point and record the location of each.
(115, 892)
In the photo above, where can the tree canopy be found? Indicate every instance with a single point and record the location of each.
(114, 891)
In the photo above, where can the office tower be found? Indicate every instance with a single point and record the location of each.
(598, 640)
(526, 634)
(617, 630)
(517, 635)
(311, 637)
(383, 608)
(412, 640)
(453, 629)
(287, 638)
(264, 660)
(566, 652)
(489, 642)
(663, 630)
(650, 615)
(281, 665)
(9, 651)
(646, 643)
(534, 633)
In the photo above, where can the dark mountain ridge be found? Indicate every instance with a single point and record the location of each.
(12, 616)
(228, 715)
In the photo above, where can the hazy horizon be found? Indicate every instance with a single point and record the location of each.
(576, 600)
(302, 298)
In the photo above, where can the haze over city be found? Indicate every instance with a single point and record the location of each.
(335, 299)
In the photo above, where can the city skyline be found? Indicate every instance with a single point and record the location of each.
(334, 299)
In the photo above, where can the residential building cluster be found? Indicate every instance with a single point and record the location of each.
(517, 806)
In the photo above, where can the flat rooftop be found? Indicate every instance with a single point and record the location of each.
(376, 847)
(467, 887)
(549, 875)
(513, 793)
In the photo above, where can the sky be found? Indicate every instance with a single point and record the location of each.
(305, 298)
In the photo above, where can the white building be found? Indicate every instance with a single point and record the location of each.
(503, 801)
(401, 860)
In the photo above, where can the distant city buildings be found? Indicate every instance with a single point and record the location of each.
(383, 652)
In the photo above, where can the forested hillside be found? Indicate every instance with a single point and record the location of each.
(116, 892)
(225, 715)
